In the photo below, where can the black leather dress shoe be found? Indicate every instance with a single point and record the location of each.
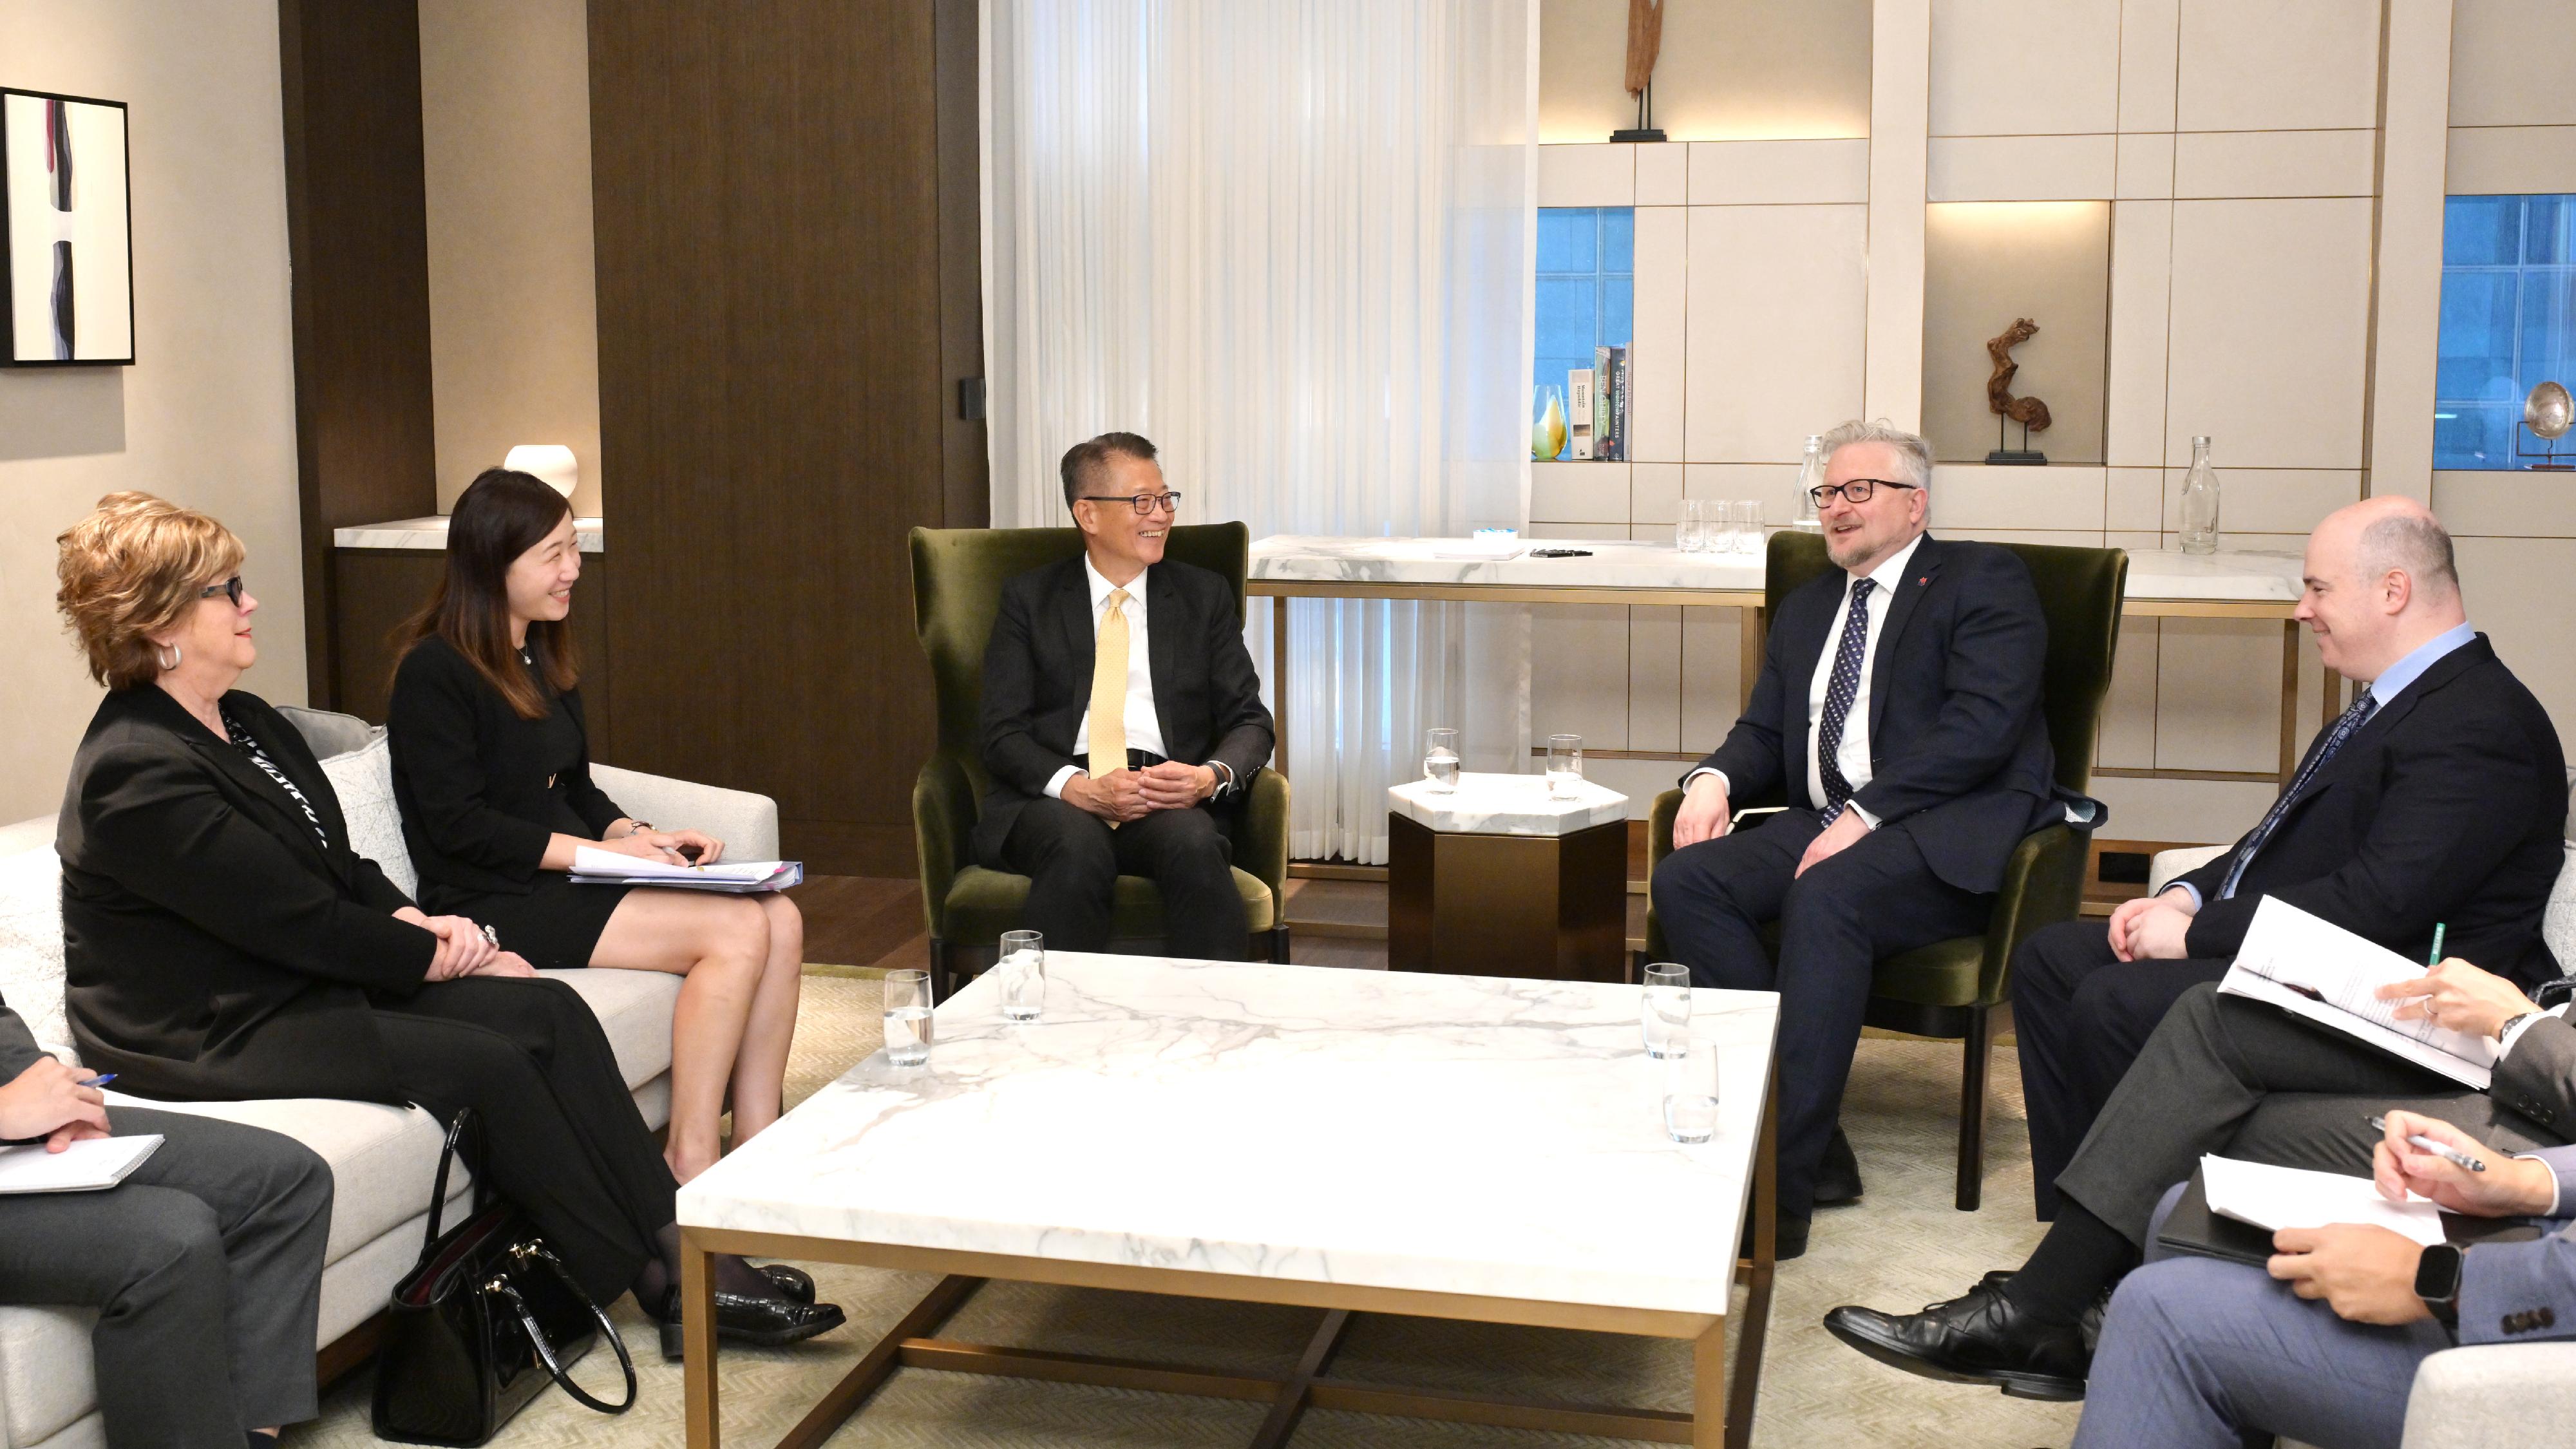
(1976, 1339)
(1788, 1239)
(794, 1284)
(1838, 1176)
(766, 1322)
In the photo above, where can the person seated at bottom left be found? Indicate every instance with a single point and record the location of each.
(1122, 720)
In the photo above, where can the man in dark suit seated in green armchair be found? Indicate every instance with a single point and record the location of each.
(1121, 712)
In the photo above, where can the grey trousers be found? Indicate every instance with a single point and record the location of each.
(205, 1267)
(2199, 1352)
(2245, 1079)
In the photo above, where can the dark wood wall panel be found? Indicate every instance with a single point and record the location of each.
(358, 233)
(778, 327)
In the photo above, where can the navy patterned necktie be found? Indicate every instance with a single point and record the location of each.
(1839, 693)
(2352, 719)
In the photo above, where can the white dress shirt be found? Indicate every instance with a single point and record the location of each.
(1144, 727)
(1853, 757)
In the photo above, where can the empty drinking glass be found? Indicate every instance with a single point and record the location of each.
(1564, 765)
(1666, 1011)
(1688, 526)
(1690, 1092)
(1748, 523)
(1719, 531)
(907, 1017)
(1440, 760)
(1022, 968)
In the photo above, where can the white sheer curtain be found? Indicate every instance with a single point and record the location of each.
(1292, 245)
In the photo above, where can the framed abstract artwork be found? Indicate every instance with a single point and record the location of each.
(66, 239)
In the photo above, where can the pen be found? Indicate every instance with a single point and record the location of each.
(98, 1081)
(2439, 929)
(2427, 1144)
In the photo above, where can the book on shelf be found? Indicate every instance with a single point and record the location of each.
(1609, 403)
(1578, 413)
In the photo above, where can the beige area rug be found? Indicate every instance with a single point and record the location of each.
(1901, 1246)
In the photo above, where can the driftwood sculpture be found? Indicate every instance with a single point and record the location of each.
(2030, 412)
(1645, 43)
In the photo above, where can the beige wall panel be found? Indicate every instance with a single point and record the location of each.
(2218, 695)
(2535, 643)
(2133, 500)
(2128, 738)
(2014, 68)
(1766, 173)
(1640, 780)
(1712, 655)
(513, 296)
(2270, 304)
(1730, 69)
(1663, 174)
(2150, 31)
(2267, 500)
(2510, 160)
(2133, 416)
(206, 415)
(1654, 491)
(1986, 264)
(2146, 168)
(2510, 63)
(1773, 485)
(1899, 117)
(1655, 679)
(2272, 163)
(2062, 537)
(2281, 65)
(2021, 168)
(1659, 334)
(2406, 311)
(2134, 540)
(1579, 674)
(2505, 505)
(1777, 295)
(1578, 493)
(2210, 812)
(2055, 497)
(1593, 175)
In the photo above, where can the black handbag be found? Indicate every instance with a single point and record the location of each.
(484, 1321)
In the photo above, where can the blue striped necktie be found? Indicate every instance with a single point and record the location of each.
(1839, 693)
(2344, 727)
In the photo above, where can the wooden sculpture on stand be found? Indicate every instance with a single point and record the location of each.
(2030, 412)
(1645, 43)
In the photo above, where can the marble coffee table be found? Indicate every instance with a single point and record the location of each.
(1351, 1141)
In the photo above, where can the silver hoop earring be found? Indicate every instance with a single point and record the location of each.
(173, 661)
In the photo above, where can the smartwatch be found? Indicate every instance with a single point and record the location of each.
(2437, 1281)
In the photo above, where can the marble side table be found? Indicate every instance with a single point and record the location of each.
(1499, 878)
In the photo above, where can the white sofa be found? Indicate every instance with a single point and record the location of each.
(382, 1158)
(2494, 1396)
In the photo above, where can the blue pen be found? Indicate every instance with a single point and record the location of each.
(98, 1081)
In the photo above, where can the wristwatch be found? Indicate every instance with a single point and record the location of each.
(2437, 1281)
(2504, 1029)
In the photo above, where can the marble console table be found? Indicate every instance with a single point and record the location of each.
(2162, 584)
(1346, 1141)
(1500, 878)
(431, 532)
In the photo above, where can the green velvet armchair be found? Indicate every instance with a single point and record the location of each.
(1950, 989)
(957, 578)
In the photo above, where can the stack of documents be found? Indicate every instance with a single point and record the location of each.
(607, 867)
(2293, 1197)
(2318, 970)
(87, 1166)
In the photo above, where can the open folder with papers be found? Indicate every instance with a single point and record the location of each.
(2318, 970)
(607, 867)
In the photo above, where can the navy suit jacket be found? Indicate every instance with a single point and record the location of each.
(1959, 753)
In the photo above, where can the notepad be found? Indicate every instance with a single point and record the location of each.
(99, 1162)
(2294, 1197)
(2318, 970)
(608, 867)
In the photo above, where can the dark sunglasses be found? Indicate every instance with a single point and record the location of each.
(230, 588)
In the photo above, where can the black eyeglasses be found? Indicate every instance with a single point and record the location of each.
(231, 588)
(1857, 490)
(1145, 504)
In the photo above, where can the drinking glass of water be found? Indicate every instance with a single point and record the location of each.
(1748, 523)
(1023, 971)
(1666, 1013)
(1564, 765)
(1690, 1092)
(907, 1017)
(1440, 760)
(1688, 530)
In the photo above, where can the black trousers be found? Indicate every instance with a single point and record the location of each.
(2081, 1016)
(1073, 860)
(1874, 899)
(205, 1266)
(566, 1143)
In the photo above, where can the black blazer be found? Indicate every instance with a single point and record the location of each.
(2449, 805)
(1037, 683)
(470, 777)
(1959, 754)
(212, 947)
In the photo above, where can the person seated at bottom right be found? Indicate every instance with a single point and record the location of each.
(1123, 721)
(2202, 1352)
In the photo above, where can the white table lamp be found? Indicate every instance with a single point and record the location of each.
(551, 462)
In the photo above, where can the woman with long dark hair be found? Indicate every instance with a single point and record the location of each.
(492, 771)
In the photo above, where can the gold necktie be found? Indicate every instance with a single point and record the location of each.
(1109, 689)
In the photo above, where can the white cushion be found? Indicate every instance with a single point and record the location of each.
(382, 1157)
(2171, 863)
(2558, 919)
(31, 945)
(364, 780)
(634, 1008)
(46, 1377)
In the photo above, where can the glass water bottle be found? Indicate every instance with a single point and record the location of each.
(2200, 502)
(1811, 475)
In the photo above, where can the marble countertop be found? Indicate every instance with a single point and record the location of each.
(431, 532)
(1506, 805)
(2229, 576)
(1453, 1134)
